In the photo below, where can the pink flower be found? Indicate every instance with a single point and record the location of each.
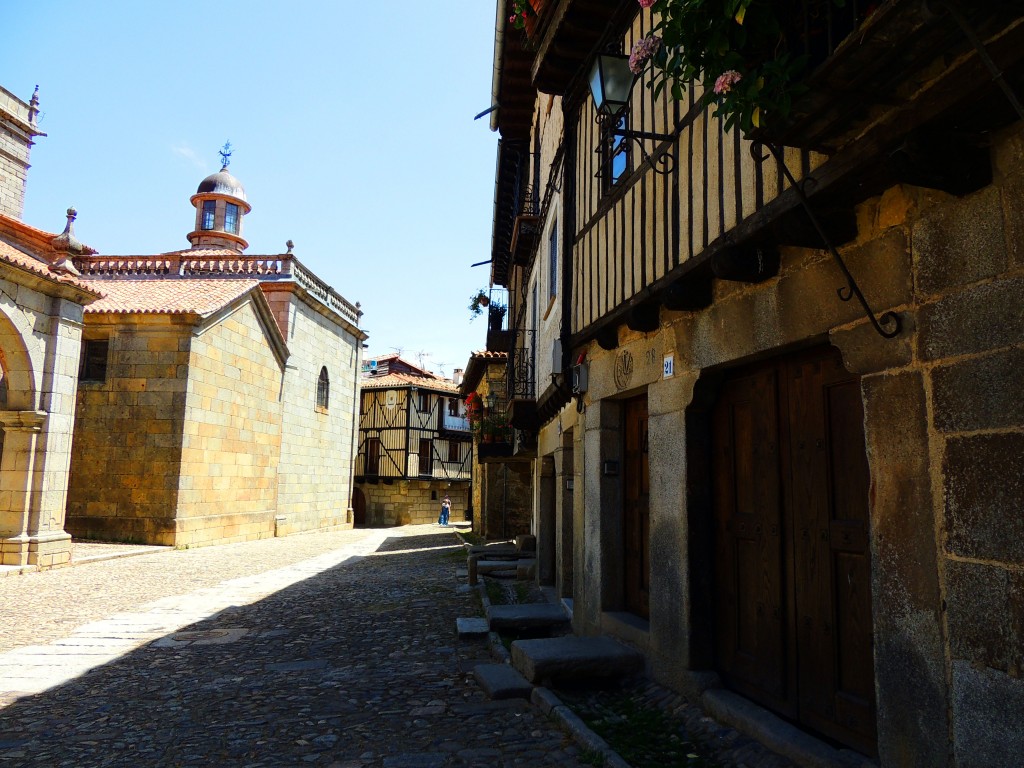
(646, 3)
(642, 52)
(727, 80)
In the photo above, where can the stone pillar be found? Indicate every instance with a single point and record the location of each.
(565, 484)
(603, 549)
(670, 563)
(23, 539)
(545, 523)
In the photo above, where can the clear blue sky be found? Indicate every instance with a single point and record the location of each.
(351, 125)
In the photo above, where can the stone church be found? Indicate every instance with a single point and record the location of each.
(214, 391)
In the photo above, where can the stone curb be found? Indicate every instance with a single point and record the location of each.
(551, 705)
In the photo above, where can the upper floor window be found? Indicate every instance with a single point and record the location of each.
(424, 404)
(231, 218)
(453, 406)
(615, 160)
(209, 213)
(372, 456)
(323, 390)
(454, 451)
(553, 260)
(426, 457)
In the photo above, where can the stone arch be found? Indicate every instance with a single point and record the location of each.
(16, 361)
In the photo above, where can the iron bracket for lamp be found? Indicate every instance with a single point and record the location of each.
(665, 160)
(851, 288)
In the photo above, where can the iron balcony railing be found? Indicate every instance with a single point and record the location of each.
(522, 367)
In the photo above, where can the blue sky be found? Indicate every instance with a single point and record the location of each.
(351, 126)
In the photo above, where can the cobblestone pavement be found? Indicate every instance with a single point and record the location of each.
(327, 650)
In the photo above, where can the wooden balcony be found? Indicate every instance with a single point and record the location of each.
(901, 67)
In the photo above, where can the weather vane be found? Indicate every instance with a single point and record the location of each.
(225, 154)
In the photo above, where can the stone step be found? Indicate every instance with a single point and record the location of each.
(526, 616)
(500, 681)
(574, 658)
(488, 566)
(470, 628)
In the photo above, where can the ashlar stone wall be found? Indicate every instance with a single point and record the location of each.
(412, 502)
(126, 454)
(317, 446)
(227, 489)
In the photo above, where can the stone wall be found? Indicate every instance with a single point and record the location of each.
(405, 502)
(126, 453)
(227, 488)
(317, 447)
(16, 134)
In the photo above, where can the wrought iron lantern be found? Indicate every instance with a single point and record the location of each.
(611, 83)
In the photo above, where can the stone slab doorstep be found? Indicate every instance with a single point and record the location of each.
(470, 628)
(500, 681)
(526, 616)
(567, 658)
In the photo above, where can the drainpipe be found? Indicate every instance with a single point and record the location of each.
(499, 43)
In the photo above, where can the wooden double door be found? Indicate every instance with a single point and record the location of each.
(792, 560)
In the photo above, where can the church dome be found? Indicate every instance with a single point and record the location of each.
(222, 183)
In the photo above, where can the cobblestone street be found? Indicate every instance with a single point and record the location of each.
(330, 650)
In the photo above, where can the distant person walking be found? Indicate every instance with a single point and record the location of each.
(446, 508)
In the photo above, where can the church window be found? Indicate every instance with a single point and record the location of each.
(93, 362)
(209, 213)
(323, 390)
(231, 218)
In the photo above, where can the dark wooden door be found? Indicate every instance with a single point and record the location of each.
(793, 597)
(636, 510)
(358, 507)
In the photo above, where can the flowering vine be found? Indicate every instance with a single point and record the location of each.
(738, 49)
(520, 11)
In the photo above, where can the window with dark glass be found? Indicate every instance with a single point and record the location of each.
(426, 457)
(92, 365)
(231, 218)
(553, 261)
(323, 390)
(453, 406)
(615, 155)
(424, 401)
(373, 456)
(453, 451)
(209, 213)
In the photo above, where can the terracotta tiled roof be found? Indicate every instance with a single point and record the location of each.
(169, 296)
(487, 354)
(9, 254)
(390, 380)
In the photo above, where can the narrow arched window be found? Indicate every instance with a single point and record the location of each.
(323, 390)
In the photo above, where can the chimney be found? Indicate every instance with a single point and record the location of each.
(457, 376)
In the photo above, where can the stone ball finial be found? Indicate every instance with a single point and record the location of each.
(289, 245)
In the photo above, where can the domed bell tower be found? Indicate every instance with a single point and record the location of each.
(220, 205)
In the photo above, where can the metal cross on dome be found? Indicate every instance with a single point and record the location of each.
(225, 154)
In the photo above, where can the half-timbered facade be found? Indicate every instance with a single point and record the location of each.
(414, 445)
(788, 361)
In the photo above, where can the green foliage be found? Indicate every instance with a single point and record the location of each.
(742, 46)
